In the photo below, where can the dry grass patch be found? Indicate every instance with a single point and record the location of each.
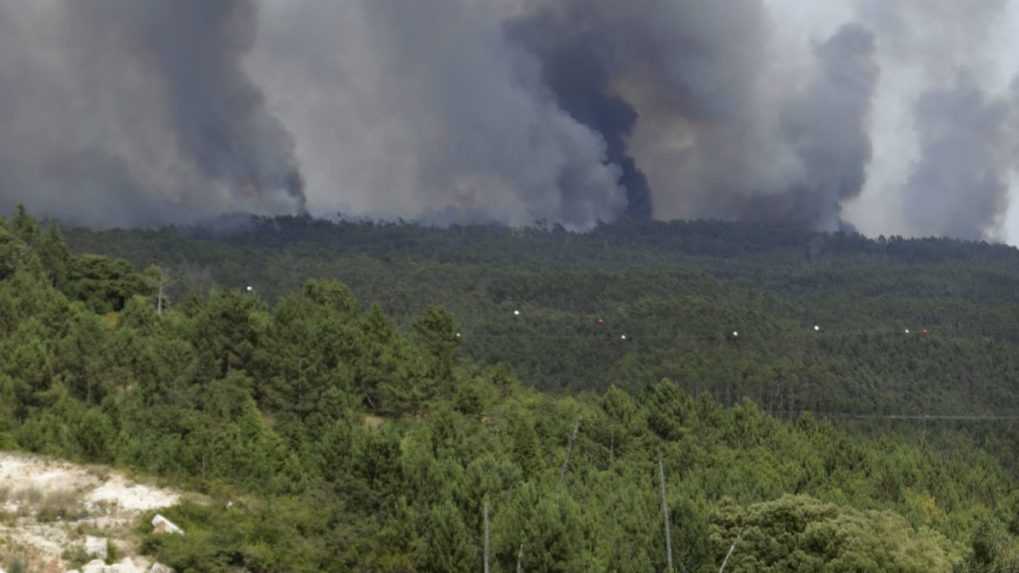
(13, 557)
(101, 473)
(30, 496)
(372, 422)
(75, 556)
(63, 505)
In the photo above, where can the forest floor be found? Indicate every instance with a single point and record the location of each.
(57, 516)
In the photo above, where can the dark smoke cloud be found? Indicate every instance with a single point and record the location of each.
(959, 186)
(424, 110)
(197, 48)
(694, 75)
(132, 112)
(577, 64)
(658, 62)
(138, 111)
(828, 129)
(54, 156)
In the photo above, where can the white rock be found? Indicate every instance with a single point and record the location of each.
(160, 568)
(161, 525)
(121, 493)
(126, 565)
(94, 566)
(98, 547)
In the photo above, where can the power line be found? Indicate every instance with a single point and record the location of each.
(905, 417)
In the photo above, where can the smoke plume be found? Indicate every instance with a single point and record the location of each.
(828, 129)
(219, 117)
(957, 181)
(128, 112)
(425, 110)
(694, 74)
(134, 112)
(959, 186)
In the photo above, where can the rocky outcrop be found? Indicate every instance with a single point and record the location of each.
(61, 511)
(97, 547)
(163, 526)
(127, 565)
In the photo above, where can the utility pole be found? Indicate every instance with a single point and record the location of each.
(665, 513)
(163, 283)
(159, 301)
(487, 570)
(569, 451)
(729, 554)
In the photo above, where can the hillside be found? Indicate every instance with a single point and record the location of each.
(358, 444)
(676, 291)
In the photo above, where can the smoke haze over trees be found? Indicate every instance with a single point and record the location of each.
(895, 117)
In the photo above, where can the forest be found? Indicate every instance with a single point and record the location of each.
(376, 403)
(676, 291)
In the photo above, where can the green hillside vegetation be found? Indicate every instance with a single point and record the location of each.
(352, 443)
(677, 291)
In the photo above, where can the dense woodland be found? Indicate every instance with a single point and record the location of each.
(676, 291)
(352, 441)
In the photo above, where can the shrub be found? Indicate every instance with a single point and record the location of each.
(61, 506)
(17, 565)
(75, 556)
